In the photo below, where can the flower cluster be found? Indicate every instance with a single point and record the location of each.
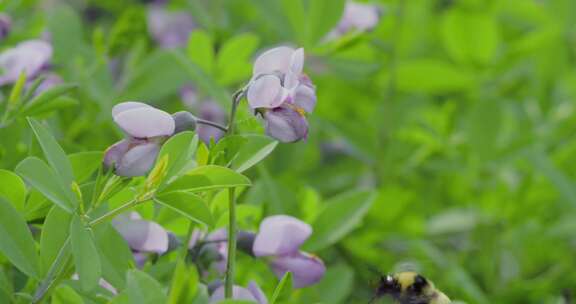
(282, 93)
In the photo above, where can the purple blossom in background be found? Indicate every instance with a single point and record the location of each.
(280, 238)
(50, 81)
(252, 293)
(213, 112)
(282, 94)
(169, 29)
(142, 236)
(207, 110)
(146, 128)
(357, 16)
(5, 26)
(29, 56)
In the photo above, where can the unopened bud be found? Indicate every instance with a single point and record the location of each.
(184, 121)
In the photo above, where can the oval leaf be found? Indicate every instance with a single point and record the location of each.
(208, 178)
(188, 204)
(86, 258)
(143, 289)
(40, 176)
(13, 189)
(16, 242)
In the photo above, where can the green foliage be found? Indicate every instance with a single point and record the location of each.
(442, 142)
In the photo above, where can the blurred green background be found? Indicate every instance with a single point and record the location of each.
(458, 114)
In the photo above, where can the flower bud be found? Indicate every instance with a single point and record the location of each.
(184, 121)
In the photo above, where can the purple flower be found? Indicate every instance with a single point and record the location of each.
(357, 16)
(169, 29)
(252, 293)
(142, 236)
(5, 26)
(146, 129)
(281, 93)
(29, 56)
(280, 238)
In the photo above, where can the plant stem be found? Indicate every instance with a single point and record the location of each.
(231, 261)
(54, 271)
(231, 258)
(212, 124)
(115, 212)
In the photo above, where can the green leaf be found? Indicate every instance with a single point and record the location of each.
(296, 15)
(184, 284)
(253, 151)
(432, 76)
(180, 150)
(57, 103)
(65, 294)
(15, 95)
(341, 215)
(85, 163)
(54, 234)
(233, 63)
(337, 284)
(86, 258)
(53, 152)
(50, 100)
(188, 204)
(143, 289)
(283, 289)
(323, 15)
(66, 32)
(201, 50)
(115, 255)
(17, 243)
(470, 36)
(37, 173)
(13, 189)
(208, 178)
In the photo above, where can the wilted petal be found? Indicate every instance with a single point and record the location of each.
(128, 105)
(169, 28)
(238, 293)
(265, 92)
(138, 160)
(145, 122)
(280, 235)
(143, 236)
(285, 124)
(305, 98)
(274, 60)
(306, 269)
(115, 153)
(29, 57)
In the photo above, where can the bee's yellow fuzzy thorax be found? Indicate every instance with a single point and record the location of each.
(406, 279)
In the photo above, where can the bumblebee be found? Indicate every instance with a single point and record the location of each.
(409, 288)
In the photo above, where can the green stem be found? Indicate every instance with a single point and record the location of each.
(231, 261)
(212, 124)
(54, 271)
(115, 212)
